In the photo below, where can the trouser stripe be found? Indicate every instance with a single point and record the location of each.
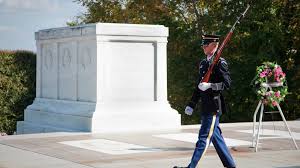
(211, 131)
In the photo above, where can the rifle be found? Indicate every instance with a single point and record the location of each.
(217, 56)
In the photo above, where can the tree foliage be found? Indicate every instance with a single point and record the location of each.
(270, 32)
(17, 87)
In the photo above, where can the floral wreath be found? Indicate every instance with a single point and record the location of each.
(270, 82)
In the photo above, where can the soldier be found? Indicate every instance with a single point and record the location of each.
(212, 105)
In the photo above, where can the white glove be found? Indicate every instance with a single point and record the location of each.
(204, 86)
(188, 110)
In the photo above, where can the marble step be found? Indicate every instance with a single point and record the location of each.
(58, 120)
(26, 127)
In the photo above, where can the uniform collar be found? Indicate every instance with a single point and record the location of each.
(208, 57)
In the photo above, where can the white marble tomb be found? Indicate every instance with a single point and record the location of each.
(102, 78)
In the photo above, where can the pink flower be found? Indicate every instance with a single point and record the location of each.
(263, 74)
(277, 71)
(277, 94)
(277, 79)
(278, 74)
(274, 103)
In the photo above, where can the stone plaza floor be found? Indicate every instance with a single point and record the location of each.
(159, 149)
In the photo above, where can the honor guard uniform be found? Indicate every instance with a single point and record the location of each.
(212, 105)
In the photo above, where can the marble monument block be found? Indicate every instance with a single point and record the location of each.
(102, 78)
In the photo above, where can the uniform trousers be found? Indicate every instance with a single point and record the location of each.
(211, 132)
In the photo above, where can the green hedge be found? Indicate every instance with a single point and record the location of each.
(17, 86)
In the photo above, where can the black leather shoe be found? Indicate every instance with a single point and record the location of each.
(179, 167)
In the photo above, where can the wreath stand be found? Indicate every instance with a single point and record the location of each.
(255, 138)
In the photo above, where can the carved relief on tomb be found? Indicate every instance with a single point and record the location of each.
(48, 71)
(87, 70)
(66, 58)
(48, 59)
(85, 58)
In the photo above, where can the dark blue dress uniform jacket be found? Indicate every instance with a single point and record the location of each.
(219, 75)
